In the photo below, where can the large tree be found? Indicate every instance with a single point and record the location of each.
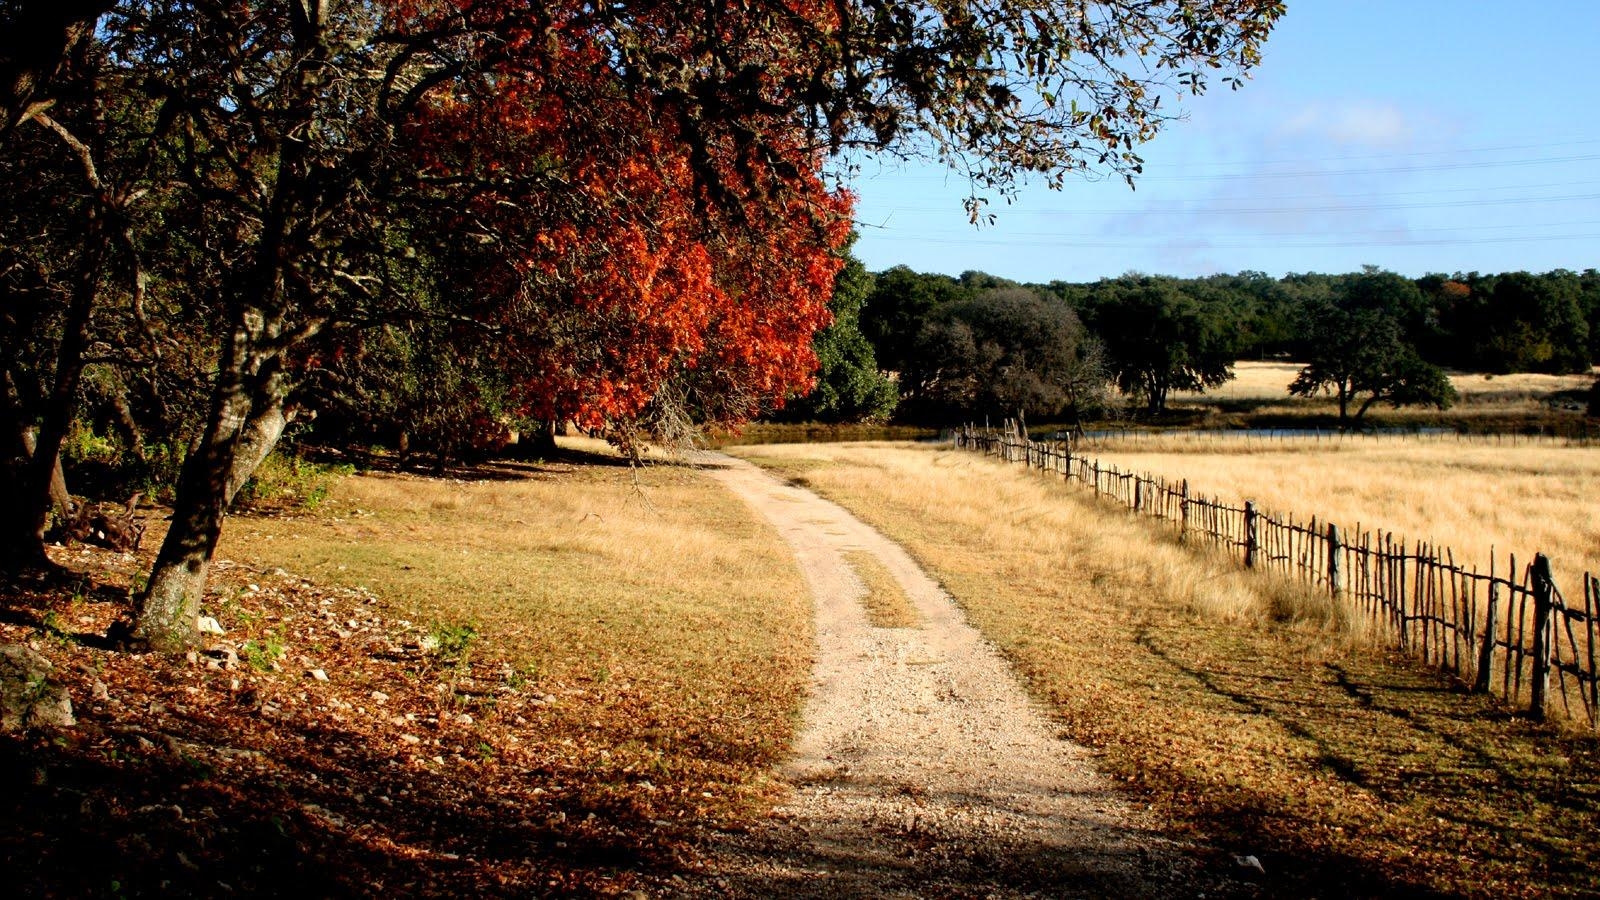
(1159, 339)
(1006, 350)
(1356, 349)
(317, 145)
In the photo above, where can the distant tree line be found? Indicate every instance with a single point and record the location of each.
(981, 345)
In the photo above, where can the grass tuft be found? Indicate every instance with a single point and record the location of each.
(885, 600)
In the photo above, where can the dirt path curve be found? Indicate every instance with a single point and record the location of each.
(922, 769)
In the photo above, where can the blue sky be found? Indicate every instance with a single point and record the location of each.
(1416, 135)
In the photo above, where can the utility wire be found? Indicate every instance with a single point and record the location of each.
(1276, 241)
(1443, 204)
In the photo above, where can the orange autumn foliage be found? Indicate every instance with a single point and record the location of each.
(614, 258)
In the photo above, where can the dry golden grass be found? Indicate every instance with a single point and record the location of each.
(886, 602)
(1263, 386)
(673, 626)
(1347, 774)
(1537, 496)
(1211, 583)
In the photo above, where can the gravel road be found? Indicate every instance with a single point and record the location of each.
(922, 769)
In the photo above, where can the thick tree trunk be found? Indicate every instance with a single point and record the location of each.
(22, 548)
(42, 486)
(542, 442)
(244, 426)
(170, 605)
(60, 498)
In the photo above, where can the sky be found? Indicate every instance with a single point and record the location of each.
(1415, 135)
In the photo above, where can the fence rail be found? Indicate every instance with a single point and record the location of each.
(1501, 633)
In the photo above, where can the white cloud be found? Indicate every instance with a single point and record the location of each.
(1364, 123)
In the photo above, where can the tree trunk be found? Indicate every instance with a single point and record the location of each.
(60, 498)
(44, 486)
(130, 426)
(542, 442)
(170, 605)
(243, 428)
(246, 415)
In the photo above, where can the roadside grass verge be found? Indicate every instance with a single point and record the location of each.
(528, 680)
(1266, 731)
(885, 601)
(664, 613)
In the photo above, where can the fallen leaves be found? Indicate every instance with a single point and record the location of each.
(316, 747)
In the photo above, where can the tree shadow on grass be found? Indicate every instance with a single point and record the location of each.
(1456, 772)
(188, 779)
(155, 818)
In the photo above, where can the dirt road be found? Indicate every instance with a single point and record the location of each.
(922, 769)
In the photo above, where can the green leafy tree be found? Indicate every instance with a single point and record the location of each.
(900, 303)
(850, 387)
(1005, 350)
(1159, 340)
(1537, 324)
(1361, 356)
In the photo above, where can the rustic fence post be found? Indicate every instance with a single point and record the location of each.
(1138, 494)
(1249, 534)
(1335, 577)
(1183, 511)
(1480, 685)
(1541, 636)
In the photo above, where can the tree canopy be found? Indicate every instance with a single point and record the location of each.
(613, 213)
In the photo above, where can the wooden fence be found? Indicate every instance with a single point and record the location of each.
(1499, 632)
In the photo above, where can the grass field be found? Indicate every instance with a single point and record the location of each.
(1537, 496)
(677, 622)
(522, 680)
(1345, 772)
(1260, 388)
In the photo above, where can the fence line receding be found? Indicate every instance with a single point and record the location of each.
(1508, 632)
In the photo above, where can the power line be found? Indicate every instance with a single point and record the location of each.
(1359, 207)
(1389, 170)
(1251, 245)
(952, 235)
(1505, 148)
(1019, 210)
(1316, 173)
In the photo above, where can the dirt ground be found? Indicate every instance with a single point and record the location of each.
(922, 769)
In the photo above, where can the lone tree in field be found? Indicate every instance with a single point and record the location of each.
(638, 185)
(1357, 350)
